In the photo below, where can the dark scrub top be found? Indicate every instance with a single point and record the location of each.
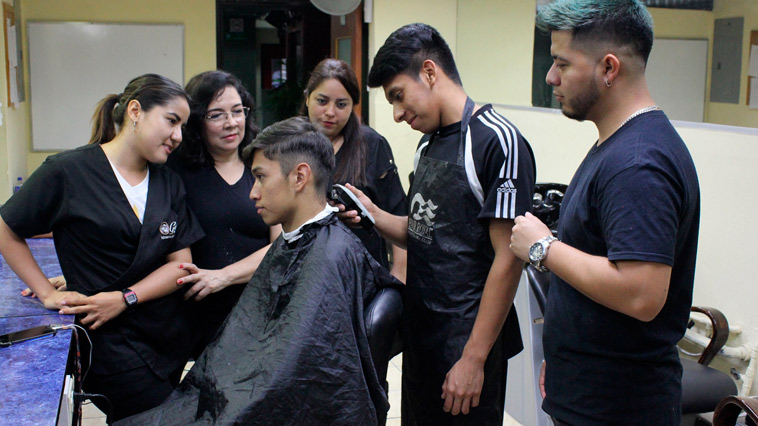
(383, 187)
(634, 197)
(233, 230)
(102, 246)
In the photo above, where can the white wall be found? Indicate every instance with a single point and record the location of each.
(441, 14)
(197, 16)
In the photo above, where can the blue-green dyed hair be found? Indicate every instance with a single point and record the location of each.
(619, 22)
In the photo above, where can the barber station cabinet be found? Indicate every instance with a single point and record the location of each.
(523, 401)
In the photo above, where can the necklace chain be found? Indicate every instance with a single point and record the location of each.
(639, 112)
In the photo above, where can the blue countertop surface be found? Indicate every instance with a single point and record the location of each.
(33, 371)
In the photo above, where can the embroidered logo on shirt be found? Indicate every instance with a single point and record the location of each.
(507, 187)
(420, 222)
(167, 230)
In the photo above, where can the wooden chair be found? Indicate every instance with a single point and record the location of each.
(730, 408)
(702, 386)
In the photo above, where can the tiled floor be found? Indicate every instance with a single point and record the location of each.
(394, 374)
(93, 417)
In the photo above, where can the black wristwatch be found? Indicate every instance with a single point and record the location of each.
(130, 298)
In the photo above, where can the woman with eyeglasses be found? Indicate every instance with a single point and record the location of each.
(363, 157)
(121, 228)
(218, 186)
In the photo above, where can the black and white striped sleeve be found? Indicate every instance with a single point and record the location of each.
(503, 164)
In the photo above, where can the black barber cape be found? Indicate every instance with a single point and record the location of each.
(293, 351)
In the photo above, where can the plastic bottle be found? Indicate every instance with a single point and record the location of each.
(19, 182)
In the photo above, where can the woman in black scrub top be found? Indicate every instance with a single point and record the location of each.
(121, 228)
(218, 186)
(363, 157)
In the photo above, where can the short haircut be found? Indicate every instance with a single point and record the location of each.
(624, 23)
(406, 49)
(294, 141)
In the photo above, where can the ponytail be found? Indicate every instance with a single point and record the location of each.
(103, 120)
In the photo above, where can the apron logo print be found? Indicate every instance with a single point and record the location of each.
(420, 223)
(425, 209)
(167, 230)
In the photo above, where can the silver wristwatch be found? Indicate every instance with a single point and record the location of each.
(538, 252)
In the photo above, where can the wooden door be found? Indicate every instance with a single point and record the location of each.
(347, 44)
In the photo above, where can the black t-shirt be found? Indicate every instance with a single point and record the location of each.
(383, 187)
(634, 197)
(500, 177)
(233, 230)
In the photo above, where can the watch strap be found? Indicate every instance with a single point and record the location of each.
(130, 298)
(545, 242)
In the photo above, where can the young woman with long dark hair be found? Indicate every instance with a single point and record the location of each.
(363, 157)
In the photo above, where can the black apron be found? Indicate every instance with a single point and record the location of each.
(449, 258)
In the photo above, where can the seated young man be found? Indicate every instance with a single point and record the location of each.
(294, 348)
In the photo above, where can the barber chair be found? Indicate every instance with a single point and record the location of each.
(546, 205)
(382, 319)
(524, 400)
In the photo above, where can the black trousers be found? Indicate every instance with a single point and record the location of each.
(130, 392)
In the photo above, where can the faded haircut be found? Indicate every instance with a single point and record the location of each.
(623, 23)
(406, 49)
(294, 141)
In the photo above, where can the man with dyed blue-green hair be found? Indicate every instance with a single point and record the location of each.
(624, 261)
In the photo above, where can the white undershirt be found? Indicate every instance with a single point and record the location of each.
(295, 235)
(137, 194)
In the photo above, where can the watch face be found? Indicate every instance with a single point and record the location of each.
(536, 251)
(131, 298)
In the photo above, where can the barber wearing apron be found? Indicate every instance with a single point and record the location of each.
(450, 256)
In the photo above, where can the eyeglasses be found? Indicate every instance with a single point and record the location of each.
(238, 114)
